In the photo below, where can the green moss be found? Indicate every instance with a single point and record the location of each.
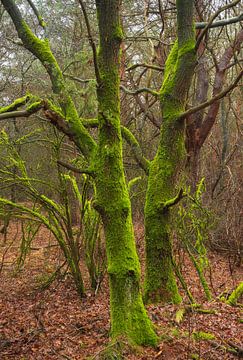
(128, 315)
(16, 104)
(236, 294)
(187, 48)
(35, 106)
(195, 357)
(117, 34)
(202, 336)
(166, 176)
(41, 49)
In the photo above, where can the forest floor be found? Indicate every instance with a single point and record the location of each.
(54, 324)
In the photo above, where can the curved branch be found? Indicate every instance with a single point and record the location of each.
(139, 91)
(75, 169)
(39, 48)
(214, 99)
(74, 78)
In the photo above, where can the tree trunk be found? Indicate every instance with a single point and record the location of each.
(128, 315)
(167, 169)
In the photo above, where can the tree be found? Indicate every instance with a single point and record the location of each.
(167, 171)
(165, 176)
(128, 315)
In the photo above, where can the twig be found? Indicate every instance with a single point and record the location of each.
(82, 81)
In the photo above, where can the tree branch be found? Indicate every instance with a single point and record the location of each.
(224, 22)
(39, 48)
(215, 98)
(171, 202)
(91, 41)
(139, 91)
(205, 29)
(148, 66)
(36, 12)
(15, 105)
(74, 78)
(33, 108)
(75, 169)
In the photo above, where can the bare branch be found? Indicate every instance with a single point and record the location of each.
(224, 22)
(36, 12)
(91, 41)
(205, 29)
(148, 66)
(75, 169)
(214, 99)
(139, 91)
(74, 78)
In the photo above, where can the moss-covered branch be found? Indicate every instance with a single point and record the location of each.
(15, 104)
(139, 91)
(171, 202)
(42, 51)
(30, 110)
(37, 14)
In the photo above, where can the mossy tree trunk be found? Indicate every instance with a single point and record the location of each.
(167, 168)
(128, 315)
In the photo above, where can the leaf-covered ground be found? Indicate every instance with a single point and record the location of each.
(54, 324)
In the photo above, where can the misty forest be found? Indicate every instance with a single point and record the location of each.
(121, 179)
